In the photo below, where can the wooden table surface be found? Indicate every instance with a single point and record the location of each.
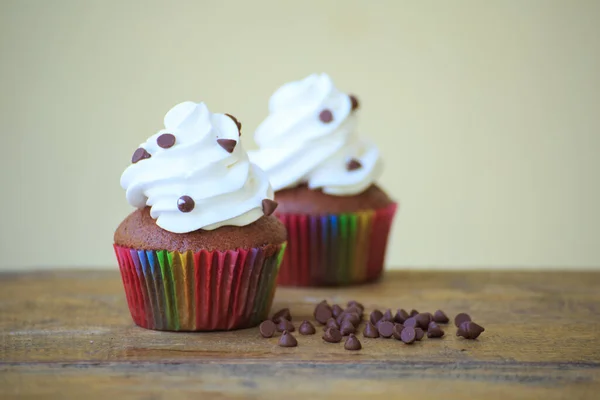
(69, 335)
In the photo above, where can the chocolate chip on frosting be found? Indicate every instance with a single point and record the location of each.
(227, 144)
(139, 154)
(354, 102)
(165, 140)
(268, 206)
(353, 164)
(326, 116)
(238, 123)
(185, 204)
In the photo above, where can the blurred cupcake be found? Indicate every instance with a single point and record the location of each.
(323, 173)
(202, 250)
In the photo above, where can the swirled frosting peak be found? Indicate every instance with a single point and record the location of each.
(194, 174)
(310, 137)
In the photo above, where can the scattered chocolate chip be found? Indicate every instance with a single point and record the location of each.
(326, 116)
(347, 328)
(353, 318)
(306, 328)
(434, 330)
(408, 335)
(331, 323)
(285, 325)
(353, 164)
(227, 144)
(352, 343)
(469, 330)
(413, 312)
(165, 140)
(422, 320)
(376, 315)
(386, 329)
(354, 102)
(287, 340)
(387, 316)
(460, 318)
(401, 316)
(430, 315)
(267, 329)
(185, 204)
(410, 322)
(283, 313)
(336, 310)
(354, 310)
(332, 335)
(323, 312)
(370, 331)
(440, 317)
(139, 154)
(419, 333)
(268, 206)
(398, 328)
(354, 303)
(238, 123)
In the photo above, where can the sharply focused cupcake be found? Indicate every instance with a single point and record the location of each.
(202, 250)
(324, 175)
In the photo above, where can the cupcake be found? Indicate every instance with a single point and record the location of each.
(324, 174)
(202, 250)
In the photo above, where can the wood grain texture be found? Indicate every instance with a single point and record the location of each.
(69, 335)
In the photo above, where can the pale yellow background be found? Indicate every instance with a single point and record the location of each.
(487, 114)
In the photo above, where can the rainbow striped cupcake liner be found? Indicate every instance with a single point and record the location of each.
(203, 291)
(335, 250)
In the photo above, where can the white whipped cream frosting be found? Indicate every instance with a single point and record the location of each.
(225, 187)
(297, 146)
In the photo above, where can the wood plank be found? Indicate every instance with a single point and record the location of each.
(71, 330)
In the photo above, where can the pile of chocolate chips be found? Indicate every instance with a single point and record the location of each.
(338, 322)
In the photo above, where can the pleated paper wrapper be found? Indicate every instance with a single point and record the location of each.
(203, 291)
(335, 250)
